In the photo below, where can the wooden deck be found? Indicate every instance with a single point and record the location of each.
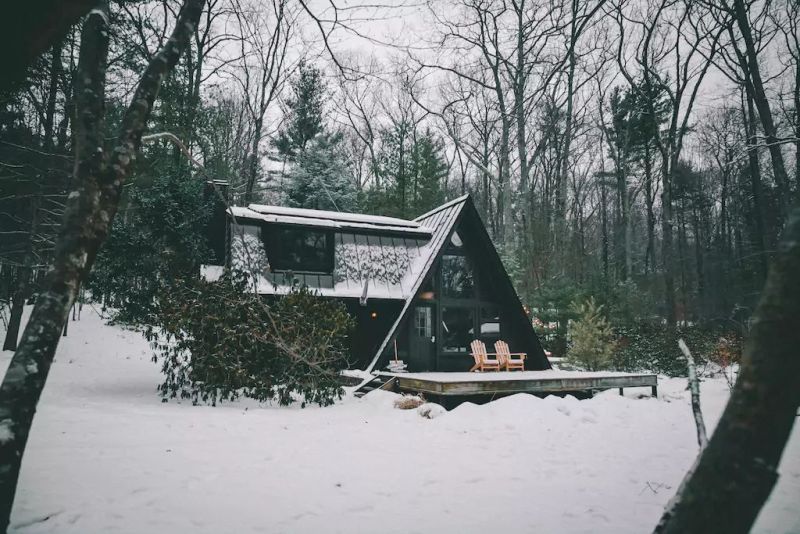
(506, 383)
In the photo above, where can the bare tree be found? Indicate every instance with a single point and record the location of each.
(99, 177)
(265, 33)
(788, 24)
(678, 37)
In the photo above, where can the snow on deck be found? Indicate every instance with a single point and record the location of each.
(510, 375)
(106, 455)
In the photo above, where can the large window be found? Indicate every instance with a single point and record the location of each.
(298, 249)
(458, 281)
(490, 326)
(457, 329)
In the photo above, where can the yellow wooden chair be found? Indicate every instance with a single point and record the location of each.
(481, 357)
(509, 360)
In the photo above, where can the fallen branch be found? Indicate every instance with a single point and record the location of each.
(694, 387)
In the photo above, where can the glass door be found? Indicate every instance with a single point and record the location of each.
(422, 348)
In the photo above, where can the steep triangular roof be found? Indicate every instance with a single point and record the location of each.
(442, 221)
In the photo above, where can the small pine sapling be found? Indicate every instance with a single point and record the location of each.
(591, 337)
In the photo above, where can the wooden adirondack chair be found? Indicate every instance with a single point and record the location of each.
(482, 360)
(509, 360)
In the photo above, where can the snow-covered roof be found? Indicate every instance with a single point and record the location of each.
(328, 219)
(387, 265)
(333, 215)
(374, 256)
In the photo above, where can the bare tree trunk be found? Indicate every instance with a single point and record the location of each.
(650, 253)
(754, 170)
(100, 175)
(666, 247)
(738, 469)
(753, 75)
(796, 96)
(24, 274)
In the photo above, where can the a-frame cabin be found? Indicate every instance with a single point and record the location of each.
(419, 290)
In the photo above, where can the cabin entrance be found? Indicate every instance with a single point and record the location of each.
(422, 346)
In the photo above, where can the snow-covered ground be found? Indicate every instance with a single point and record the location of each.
(106, 455)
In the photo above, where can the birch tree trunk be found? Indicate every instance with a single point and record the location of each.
(99, 177)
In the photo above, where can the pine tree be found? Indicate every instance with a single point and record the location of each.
(592, 339)
(305, 118)
(413, 169)
(320, 177)
(429, 172)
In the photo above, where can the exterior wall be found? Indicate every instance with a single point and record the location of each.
(388, 264)
(370, 330)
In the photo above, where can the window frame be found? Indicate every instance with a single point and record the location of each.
(276, 251)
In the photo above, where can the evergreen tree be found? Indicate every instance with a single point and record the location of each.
(159, 238)
(591, 339)
(305, 118)
(429, 172)
(413, 171)
(320, 177)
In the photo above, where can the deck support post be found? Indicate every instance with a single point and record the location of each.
(654, 391)
(621, 394)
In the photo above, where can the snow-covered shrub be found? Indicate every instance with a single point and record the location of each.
(217, 341)
(591, 337)
(430, 410)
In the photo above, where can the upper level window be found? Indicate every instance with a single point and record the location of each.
(298, 249)
(458, 280)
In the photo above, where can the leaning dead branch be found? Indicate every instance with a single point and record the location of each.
(694, 387)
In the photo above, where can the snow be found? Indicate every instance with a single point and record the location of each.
(444, 206)
(246, 213)
(211, 273)
(333, 215)
(106, 455)
(6, 434)
(391, 266)
(509, 375)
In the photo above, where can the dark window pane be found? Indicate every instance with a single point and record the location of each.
(299, 249)
(423, 321)
(457, 329)
(457, 278)
(490, 327)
